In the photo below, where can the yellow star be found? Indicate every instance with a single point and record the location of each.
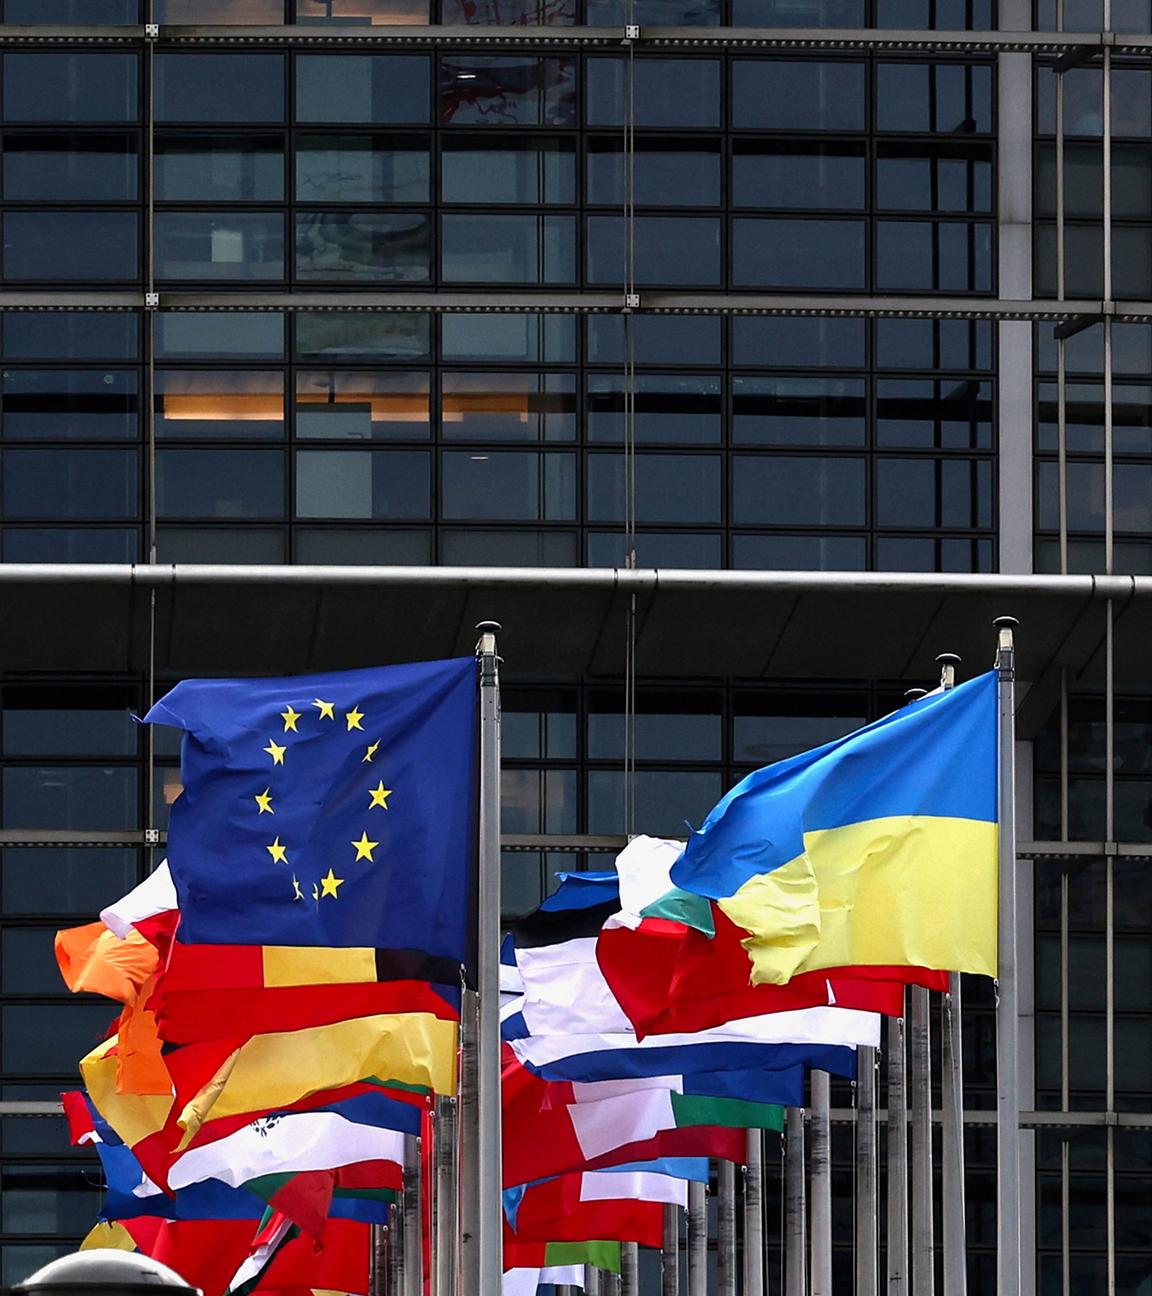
(327, 711)
(330, 885)
(369, 754)
(297, 894)
(364, 847)
(354, 717)
(277, 753)
(290, 717)
(379, 795)
(277, 851)
(264, 801)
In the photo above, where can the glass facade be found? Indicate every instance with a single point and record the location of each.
(471, 283)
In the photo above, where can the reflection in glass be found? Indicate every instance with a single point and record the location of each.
(533, 338)
(70, 87)
(70, 483)
(219, 87)
(395, 335)
(61, 167)
(361, 406)
(363, 484)
(219, 168)
(233, 403)
(798, 13)
(950, 178)
(667, 92)
(231, 335)
(654, 13)
(508, 407)
(934, 492)
(71, 246)
(669, 726)
(89, 13)
(218, 483)
(511, 486)
(55, 404)
(361, 168)
(944, 97)
(243, 13)
(666, 173)
(482, 248)
(799, 411)
(361, 13)
(219, 245)
(791, 174)
(521, 91)
(949, 415)
(362, 247)
(492, 170)
(786, 94)
(676, 408)
(368, 89)
(503, 13)
(942, 256)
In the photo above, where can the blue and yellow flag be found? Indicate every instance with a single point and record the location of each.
(878, 848)
(329, 810)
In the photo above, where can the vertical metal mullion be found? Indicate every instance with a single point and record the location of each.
(1065, 1149)
(1109, 942)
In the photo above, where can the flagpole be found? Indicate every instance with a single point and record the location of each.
(923, 1250)
(753, 1216)
(670, 1253)
(444, 1235)
(725, 1229)
(697, 1239)
(955, 1254)
(897, 1161)
(866, 1175)
(821, 1185)
(413, 1242)
(795, 1228)
(1008, 1209)
(488, 1275)
(629, 1269)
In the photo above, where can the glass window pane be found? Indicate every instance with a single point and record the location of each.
(508, 338)
(666, 173)
(798, 343)
(363, 546)
(222, 484)
(692, 550)
(675, 408)
(58, 721)
(656, 339)
(499, 171)
(70, 335)
(55, 404)
(362, 247)
(243, 246)
(245, 13)
(368, 89)
(238, 404)
(490, 13)
(669, 250)
(682, 92)
(64, 880)
(221, 544)
(362, 483)
(219, 168)
(357, 335)
(219, 87)
(664, 799)
(944, 97)
(94, 13)
(504, 485)
(362, 406)
(361, 169)
(508, 249)
(508, 407)
(785, 490)
(232, 335)
(670, 488)
(768, 173)
(799, 411)
(70, 168)
(494, 548)
(477, 90)
(70, 87)
(71, 545)
(786, 94)
(71, 246)
(46, 1039)
(679, 726)
(76, 796)
(797, 253)
(933, 256)
(70, 483)
(27, 962)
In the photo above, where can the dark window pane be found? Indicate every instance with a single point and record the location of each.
(693, 550)
(666, 173)
(503, 13)
(670, 488)
(798, 13)
(55, 404)
(361, 336)
(767, 173)
(797, 343)
(799, 411)
(783, 94)
(510, 338)
(492, 548)
(508, 249)
(76, 545)
(93, 13)
(219, 87)
(477, 90)
(72, 168)
(221, 484)
(63, 797)
(656, 339)
(219, 168)
(921, 413)
(511, 486)
(46, 1039)
(367, 546)
(494, 170)
(362, 247)
(508, 407)
(244, 246)
(239, 335)
(944, 97)
(797, 253)
(68, 87)
(62, 880)
(951, 178)
(361, 169)
(220, 544)
(28, 963)
(654, 13)
(664, 799)
(670, 250)
(361, 12)
(70, 335)
(667, 92)
(71, 246)
(784, 490)
(69, 483)
(368, 89)
(362, 484)
(238, 404)
(362, 406)
(675, 408)
(675, 726)
(948, 257)
(250, 13)
(933, 344)
(933, 492)
(58, 721)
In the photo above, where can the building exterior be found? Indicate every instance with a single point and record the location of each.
(739, 286)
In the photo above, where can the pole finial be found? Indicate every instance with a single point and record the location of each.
(948, 663)
(493, 627)
(914, 694)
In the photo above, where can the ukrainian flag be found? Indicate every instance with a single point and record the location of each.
(878, 848)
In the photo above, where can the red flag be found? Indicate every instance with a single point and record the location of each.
(554, 1212)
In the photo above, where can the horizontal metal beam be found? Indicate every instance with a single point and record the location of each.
(548, 302)
(467, 36)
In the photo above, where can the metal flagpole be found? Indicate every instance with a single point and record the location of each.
(897, 1161)
(591, 1280)
(1007, 1023)
(920, 1042)
(487, 1275)
(795, 1224)
(670, 1253)
(725, 1229)
(413, 1241)
(697, 1240)
(629, 1269)
(753, 1216)
(955, 1253)
(866, 1173)
(444, 1237)
(820, 1241)
(397, 1267)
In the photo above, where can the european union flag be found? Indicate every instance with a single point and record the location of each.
(330, 810)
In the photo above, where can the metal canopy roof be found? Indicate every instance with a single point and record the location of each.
(561, 622)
